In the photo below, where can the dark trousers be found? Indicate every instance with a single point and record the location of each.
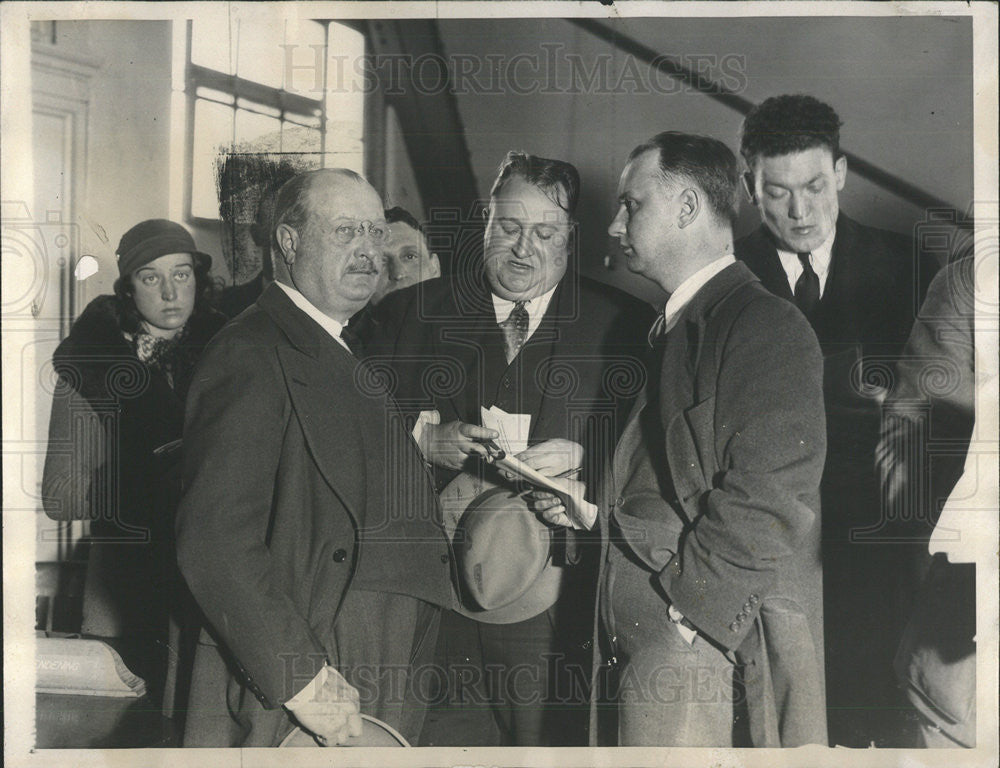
(384, 645)
(521, 684)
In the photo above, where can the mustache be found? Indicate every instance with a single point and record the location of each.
(364, 266)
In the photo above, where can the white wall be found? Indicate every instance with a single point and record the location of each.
(902, 86)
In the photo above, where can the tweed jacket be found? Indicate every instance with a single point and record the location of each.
(741, 407)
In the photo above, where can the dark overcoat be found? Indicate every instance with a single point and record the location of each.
(288, 444)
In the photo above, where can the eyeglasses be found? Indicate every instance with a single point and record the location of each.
(378, 233)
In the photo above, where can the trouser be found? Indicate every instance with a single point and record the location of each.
(385, 644)
(382, 642)
(670, 693)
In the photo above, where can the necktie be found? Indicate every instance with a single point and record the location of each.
(807, 287)
(515, 330)
(351, 340)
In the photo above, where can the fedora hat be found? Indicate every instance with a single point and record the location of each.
(374, 733)
(501, 547)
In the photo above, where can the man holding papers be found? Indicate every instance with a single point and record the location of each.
(527, 357)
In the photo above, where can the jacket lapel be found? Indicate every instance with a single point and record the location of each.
(761, 256)
(320, 377)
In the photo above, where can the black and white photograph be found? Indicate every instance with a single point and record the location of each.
(500, 383)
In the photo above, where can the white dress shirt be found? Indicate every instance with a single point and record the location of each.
(326, 322)
(685, 292)
(536, 309)
(820, 261)
(502, 308)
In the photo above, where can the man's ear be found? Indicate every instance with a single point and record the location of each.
(748, 187)
(840, 171)
(288, 242)
(433, 266)
(691, 203)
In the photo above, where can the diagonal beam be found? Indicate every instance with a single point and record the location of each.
(718, 92)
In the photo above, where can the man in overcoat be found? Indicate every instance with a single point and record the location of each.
(710, 589)
(309, 532)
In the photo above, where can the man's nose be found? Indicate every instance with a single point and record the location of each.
(798, 207)
(522, 246)
(616, 228)
(392, 268)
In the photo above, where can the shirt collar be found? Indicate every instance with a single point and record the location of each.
(687, 291)
(820, 260)
(536, 308)
(326, 322)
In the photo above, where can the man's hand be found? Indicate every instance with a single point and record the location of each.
(552, 509)
(328, 707)
(553, 457)
(450, 445)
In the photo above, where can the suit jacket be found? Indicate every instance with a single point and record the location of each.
(577, 375)
(875, 286)
(876, 283)
(741, 409)
(285, 471)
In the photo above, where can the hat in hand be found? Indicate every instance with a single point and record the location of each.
(502, 550)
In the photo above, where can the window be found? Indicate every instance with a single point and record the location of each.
(265, 89)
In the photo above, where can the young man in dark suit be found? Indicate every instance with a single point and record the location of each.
(711, 585)
(525, 334)
(859, 288)
(309, 531)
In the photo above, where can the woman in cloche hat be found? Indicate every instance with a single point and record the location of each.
(117, 414)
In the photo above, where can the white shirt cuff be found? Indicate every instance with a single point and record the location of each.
(686, 632)
(311, 690)
(425, 417)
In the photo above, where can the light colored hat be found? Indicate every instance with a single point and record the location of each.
(374, 733)
(502, 550)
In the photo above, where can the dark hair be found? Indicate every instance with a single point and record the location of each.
(129, 318)
(291, 204)
(396, 213)
(700, 159)
(548, 175)
(785, 124)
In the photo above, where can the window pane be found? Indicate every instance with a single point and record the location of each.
(261, 57)
(207, 93)
(253, 106)
(210, 47)
(258, 133)
(345, 99)
(296, 138)
(307, 41)
(213, 134)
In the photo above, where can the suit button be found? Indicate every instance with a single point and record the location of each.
(754, 600)
(445, 558)
(619, 501)
(506, 383)
(747, 607)
(734, 627)
(340, 556)
(742, 616)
